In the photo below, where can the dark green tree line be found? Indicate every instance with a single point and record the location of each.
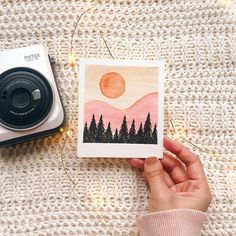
(96, 133)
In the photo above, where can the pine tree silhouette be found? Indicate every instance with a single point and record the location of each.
(116, 137)
(132, 133)
(92, 130)
(154, 134)
(147, 130)
(100, 137)
(123, 133)
(139, 136)
(96, 133)
(108, 134)
(86, 133)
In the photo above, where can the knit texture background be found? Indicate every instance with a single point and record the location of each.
(197, 40)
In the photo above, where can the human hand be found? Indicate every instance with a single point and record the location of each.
(175, 182)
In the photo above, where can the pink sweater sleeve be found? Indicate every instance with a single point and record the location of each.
(177, 222)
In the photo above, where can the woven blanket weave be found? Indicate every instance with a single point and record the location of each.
(197, 40)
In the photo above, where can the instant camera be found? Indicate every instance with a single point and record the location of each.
(30, 105)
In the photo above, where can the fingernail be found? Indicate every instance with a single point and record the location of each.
(151, 160)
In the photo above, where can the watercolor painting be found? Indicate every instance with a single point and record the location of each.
(120, 104)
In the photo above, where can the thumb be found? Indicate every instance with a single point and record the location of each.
(155, 175)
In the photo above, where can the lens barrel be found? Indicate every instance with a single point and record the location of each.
(25, 98)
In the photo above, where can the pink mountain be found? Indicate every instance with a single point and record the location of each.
(137, 111)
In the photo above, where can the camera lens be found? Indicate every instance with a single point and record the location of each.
(20, 98)
(25, 98)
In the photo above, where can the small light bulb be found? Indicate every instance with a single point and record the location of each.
(98, 200)
(72, 59)
(226, 3)
(61, 130)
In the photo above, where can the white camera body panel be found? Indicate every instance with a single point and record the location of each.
(33, 57)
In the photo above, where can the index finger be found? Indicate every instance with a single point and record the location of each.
(193, 164)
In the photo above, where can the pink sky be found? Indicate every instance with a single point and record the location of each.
(137, 111)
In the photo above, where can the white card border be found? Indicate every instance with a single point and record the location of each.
(120, 150)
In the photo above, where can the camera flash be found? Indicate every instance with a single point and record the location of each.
(36, 94)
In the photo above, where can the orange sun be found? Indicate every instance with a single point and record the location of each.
(112, 85)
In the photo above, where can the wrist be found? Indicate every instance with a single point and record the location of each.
(179, 201)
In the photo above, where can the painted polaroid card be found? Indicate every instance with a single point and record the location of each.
(120, 108)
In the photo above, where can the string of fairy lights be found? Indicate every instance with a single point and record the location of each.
(73, 66)
(99, 199)
(96, 200)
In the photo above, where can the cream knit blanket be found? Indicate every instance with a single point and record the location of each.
(197, 40)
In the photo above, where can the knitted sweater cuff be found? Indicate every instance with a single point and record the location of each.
(177, 222)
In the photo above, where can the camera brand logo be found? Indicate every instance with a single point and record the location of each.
(32, 57)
